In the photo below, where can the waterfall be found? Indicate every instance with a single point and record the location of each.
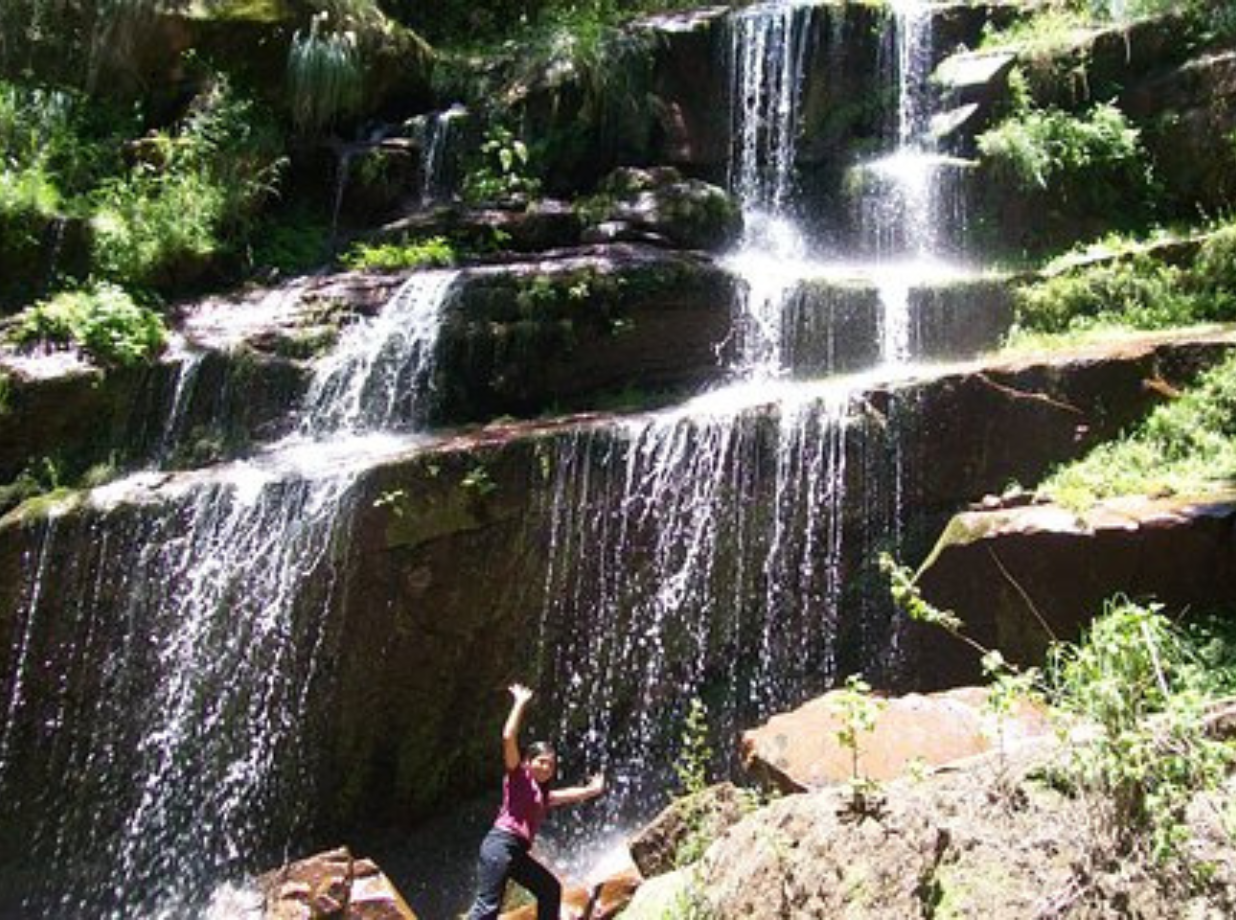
(714, 551)
(379, 376)
(436, 134)
(696, 549)
(197, 631)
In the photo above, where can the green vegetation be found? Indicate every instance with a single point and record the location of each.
(1132, 286)
(1187, 446)
(857, 711)
(1132, 697)
(421, 253)
(325, 75)
(103, 321)
(1087, 168)
(502, 170)
(1138, 679)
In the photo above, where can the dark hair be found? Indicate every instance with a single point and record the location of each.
(537, 748)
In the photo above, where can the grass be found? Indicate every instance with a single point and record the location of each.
(1122, 285)
(1185, 447)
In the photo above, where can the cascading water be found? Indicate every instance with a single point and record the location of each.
(705, 552)
(198, 628)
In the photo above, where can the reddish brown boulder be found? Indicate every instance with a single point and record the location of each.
(333, 885)
(799, 750)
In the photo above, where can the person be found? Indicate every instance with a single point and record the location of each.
(526, 798)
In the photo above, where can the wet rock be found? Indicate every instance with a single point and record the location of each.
(659, 205)
(332, 885)
(1019, 577)
(690, 114)
(542, 225)
(799, 750)
(523, 336)
(1188, 115)
(658, 847)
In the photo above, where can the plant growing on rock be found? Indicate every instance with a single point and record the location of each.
(502, 170)
(1137, 686)
(1133, 698)
(103, 321)
(434, 251)
(857, 711)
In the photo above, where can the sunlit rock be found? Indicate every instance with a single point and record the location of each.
(800, 750)
(658, 847)
(333, 884)
(1020, 577)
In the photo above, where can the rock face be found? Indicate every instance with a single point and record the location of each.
(661, 845)
(1019, 576)
(333, 885)
(799, 750)
(444, 568)
(983, 841)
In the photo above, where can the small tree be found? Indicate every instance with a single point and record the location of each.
(857, 710)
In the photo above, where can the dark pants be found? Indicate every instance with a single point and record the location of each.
(505, 856)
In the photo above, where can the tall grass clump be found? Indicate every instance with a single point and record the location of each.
(325, 75)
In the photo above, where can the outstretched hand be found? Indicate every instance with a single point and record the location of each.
(519, 693)
(596, 785)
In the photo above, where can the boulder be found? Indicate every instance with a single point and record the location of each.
(659, 205)
(658, 846)
(799, 750)
(1019, 577)
(986, 839)
(333, 885)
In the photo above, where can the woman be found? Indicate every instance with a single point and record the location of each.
(525, 800)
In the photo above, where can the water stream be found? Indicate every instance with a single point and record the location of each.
(706, 552)
(195, 637)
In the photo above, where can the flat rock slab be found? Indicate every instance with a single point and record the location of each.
(799, 750)
(1019, 576)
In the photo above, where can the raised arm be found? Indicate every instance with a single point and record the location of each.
(572, 794)
(520, 695)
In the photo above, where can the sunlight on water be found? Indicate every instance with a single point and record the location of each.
(213, 607)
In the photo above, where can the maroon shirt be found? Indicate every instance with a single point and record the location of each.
(524, 804)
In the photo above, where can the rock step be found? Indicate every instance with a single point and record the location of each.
(1013, 574)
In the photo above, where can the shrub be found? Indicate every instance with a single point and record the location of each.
(193, 194)
(433, 251)
(1137, 679)
(1090, 159)
(103, 321)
